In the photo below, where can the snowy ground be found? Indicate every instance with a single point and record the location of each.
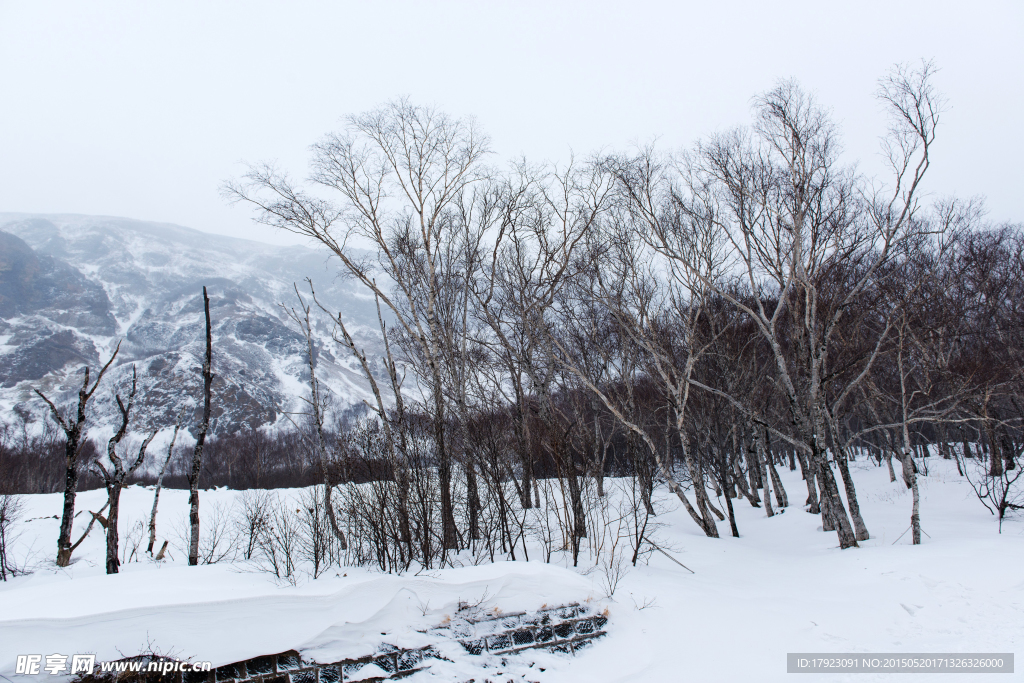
(784, 586)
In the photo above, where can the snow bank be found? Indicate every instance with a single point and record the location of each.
(783, 586)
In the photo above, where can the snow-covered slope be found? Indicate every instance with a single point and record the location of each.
(783, 586)
(71, 287)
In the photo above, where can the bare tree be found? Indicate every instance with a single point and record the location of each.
(399, 171)
(115, 474)
(72, 449)
(656, 303)
(317, 404)
(11, 510)
(789, 217)
(542, 219)
(393, 423)
(160, 480)
(197, 453)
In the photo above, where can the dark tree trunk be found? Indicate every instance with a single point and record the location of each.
(72, 448)
(70, 489)
(995, 460)
(729, 509)
(812, 490)
(472, 502)
(842, 459)
(114, 496)
(829, 490)
(860, 529)
(449, 531)
(197, 454)
(781, 499)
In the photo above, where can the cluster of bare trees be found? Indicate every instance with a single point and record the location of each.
(696, 321)
(32, 463)
(705, 318)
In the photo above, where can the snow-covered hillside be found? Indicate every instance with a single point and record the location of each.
(71, 287)
(784, 586)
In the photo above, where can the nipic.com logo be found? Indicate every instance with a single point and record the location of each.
(55, 664)
(33, 665)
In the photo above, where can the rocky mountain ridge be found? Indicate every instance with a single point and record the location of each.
(72, 287)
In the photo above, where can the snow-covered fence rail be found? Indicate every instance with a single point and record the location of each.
(291, 667)
(566, 629)
(559, 629)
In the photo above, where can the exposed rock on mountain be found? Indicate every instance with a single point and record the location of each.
(71, 287)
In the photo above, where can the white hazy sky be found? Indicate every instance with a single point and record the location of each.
(142, 109)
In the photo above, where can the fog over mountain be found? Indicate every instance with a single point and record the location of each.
(72, 286)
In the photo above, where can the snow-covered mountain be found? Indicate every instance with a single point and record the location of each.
(72, 286)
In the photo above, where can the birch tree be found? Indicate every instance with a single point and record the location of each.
(197, 452)
(116, 471)
(398, 172)
(790, 216)
(317, 403)
(160, 480)
(73, 432)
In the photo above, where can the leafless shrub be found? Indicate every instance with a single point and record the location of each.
(317, 544)
(132, 541)
(219, 539)
(252, 520)
(11, 512)
(280, 542)
(613, 568)
(999, 490)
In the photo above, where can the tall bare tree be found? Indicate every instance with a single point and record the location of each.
(197, 452)
(399, 172)
(73, 432)
(117, 471)
(160, 479)
(317, 409)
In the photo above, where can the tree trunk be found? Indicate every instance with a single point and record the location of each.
(732, 514)
(847, 538)
(828, 519)
(995, 459)
(780, 491)
(160, 484)
(860, 529)
(740, 479)
(332, 516)
(197, 454)
(600, 449)
(72, 445)
(910, 479)
(767, 493)
(472, 502)
(812, 490)
(718, 513)
(522, 449)
(68, 514)
(449, 532)
(114, 498)
(842, 459)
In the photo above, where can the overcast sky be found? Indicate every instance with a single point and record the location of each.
(142, 109)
